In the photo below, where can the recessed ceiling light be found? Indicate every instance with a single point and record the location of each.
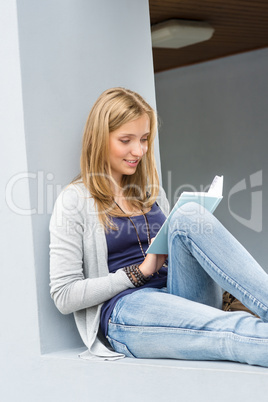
(179, 33)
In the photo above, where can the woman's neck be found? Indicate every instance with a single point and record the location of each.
(117, 190)
(123, 203)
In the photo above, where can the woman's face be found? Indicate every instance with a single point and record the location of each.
(127, 145)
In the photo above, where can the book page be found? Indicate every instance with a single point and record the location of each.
(216, 186)
(209, 200)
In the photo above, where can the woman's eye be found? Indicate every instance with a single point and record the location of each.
(144, 140)
(125, 141)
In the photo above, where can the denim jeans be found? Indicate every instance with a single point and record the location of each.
(185, 320)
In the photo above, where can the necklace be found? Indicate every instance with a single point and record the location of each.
(147, 229)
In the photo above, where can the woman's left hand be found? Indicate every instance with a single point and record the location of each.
(152, 263)
(161, 258)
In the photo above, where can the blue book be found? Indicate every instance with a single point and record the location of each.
(209, 200)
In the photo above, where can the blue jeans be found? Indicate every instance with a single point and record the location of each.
(185, 320)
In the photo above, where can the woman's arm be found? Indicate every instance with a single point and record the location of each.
(70, 290)
(153, 262)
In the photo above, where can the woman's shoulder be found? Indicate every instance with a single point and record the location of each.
(75, 197)
(162, 201)
(77, 187)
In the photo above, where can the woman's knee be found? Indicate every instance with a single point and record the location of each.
(190, 218)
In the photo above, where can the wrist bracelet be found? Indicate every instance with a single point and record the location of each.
(134, 270)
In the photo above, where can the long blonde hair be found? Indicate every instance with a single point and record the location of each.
(115, 107)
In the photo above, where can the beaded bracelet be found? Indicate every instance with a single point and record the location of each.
(134, 270)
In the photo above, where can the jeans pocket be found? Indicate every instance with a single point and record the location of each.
(120, 347)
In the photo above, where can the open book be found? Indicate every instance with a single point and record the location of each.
(209, 200)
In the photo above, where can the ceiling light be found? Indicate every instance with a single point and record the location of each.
(179, 33)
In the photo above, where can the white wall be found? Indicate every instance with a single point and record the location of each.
(214, 121)
(70, 52)
(56, 58)
(18, 327)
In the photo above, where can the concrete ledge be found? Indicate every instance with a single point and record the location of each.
(177, 364)
(168, 380)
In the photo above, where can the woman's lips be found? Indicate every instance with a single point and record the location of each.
(132, 164)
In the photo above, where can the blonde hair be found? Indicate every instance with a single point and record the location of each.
(115, 107)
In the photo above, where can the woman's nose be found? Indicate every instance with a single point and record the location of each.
(138, 149)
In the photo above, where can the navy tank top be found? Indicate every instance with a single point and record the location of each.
(124, 249)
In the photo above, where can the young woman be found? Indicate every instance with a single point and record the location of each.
(127, 303)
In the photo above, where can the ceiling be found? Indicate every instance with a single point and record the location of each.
(240, 26)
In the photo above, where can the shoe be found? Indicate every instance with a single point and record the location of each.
(231, 303)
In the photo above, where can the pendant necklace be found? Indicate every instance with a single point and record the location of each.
(147, 228)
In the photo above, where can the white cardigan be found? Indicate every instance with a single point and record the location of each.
(80, 281)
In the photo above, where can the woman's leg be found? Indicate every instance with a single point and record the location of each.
(179, 323)
(151, 323)
(204, 256)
